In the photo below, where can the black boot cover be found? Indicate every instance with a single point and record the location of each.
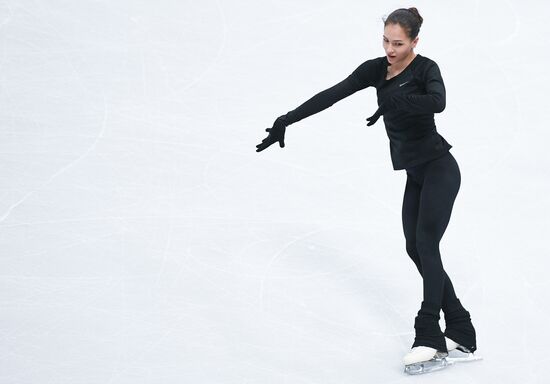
(428, 332)
(459, 326)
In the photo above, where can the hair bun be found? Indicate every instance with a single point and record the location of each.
(415, 11)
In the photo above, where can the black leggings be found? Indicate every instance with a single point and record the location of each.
(427, 204)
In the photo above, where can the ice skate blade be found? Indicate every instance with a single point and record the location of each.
(463, 359)
(438, 363)
(434, 364)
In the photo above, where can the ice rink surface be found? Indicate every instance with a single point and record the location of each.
(143, 239)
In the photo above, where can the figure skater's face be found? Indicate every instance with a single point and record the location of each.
(397, 44)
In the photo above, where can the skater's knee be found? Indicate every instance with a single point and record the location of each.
(411, 248)
(427, 243)
(413, 254)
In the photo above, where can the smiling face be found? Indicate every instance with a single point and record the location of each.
(397, 44)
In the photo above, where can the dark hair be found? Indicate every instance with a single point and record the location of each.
(409, 19)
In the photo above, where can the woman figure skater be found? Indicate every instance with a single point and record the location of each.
(410, 90)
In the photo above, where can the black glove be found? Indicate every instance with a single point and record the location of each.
(384, 107)
(276, 133)
(371, 120)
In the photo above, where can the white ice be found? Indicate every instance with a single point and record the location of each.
(144, 240)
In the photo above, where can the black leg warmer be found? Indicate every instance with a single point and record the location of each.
(428, 332)
(459, 327)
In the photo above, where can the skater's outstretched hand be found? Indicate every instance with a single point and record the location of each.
(374, 118)
(384, 107)
(276, 133)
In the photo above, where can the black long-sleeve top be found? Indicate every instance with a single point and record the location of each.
(409, 101)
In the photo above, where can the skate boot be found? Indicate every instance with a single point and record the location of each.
(451, 344)
(423, 359)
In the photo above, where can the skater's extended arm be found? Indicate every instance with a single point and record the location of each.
(317, 103)
(322, 100)
(360, 78)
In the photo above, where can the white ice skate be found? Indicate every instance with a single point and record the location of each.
(458, 357)
(423, 359)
